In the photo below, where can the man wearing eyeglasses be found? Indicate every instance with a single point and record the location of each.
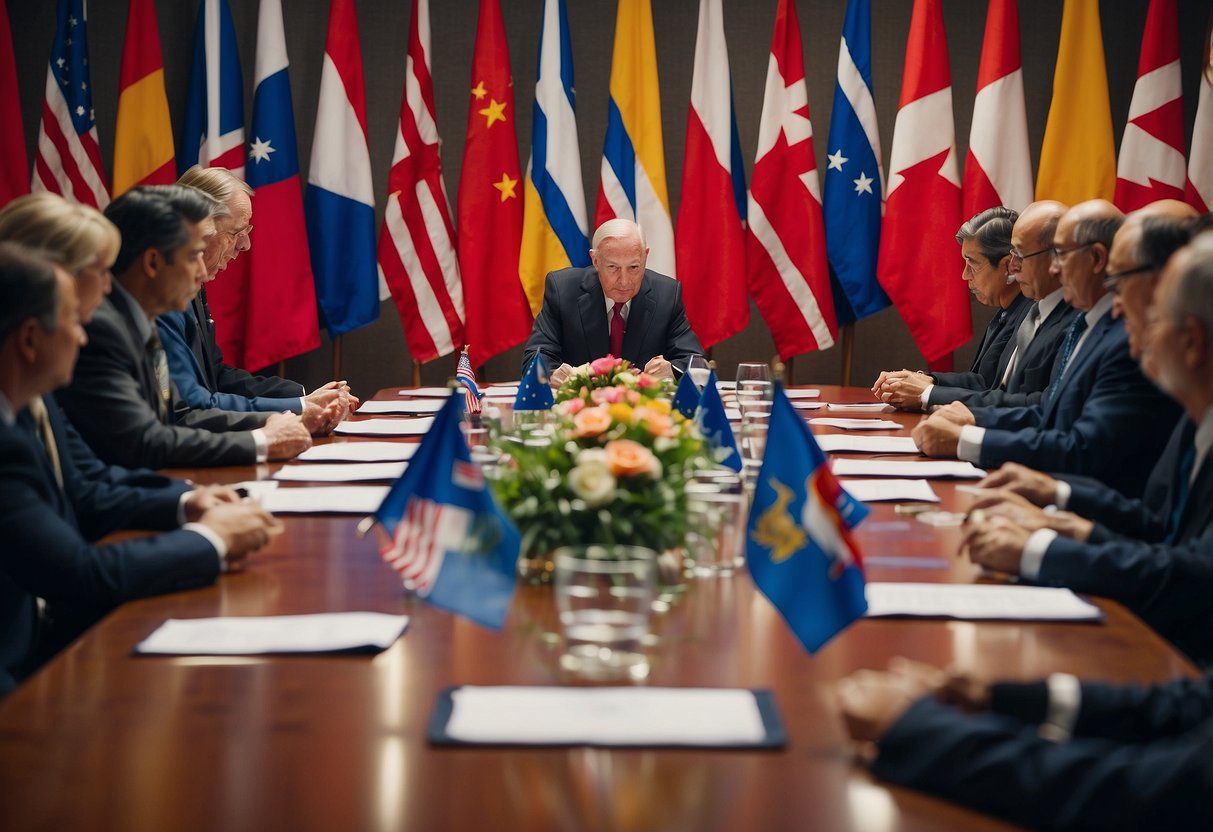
(195, 360)
(1100, 417)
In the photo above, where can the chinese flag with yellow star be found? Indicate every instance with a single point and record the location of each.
(490, 201)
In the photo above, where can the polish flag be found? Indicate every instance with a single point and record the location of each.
(998, 168)
(1151, 163)
(919, 265)
(1199, 193)
(785, 244)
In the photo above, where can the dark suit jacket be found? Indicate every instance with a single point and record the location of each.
(572, 325)
(45, 555)
(112, 400)
(1141, 760)
(224, 378)
(179, 335)
(1102, 420)
(1033, 371)
(993, 353)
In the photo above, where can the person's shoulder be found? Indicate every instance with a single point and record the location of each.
(573, 274)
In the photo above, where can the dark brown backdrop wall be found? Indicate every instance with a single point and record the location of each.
(375, 356)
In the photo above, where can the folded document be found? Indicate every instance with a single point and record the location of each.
(335, 632)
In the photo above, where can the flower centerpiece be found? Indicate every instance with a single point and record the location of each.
(612, 469)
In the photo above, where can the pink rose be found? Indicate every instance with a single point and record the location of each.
(607, 395)
(633, 397)
(572, 407)
(602, 366)
(646, 381)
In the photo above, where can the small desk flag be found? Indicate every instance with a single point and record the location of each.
(686, 396)
(714, 426)
(535, 391)
(467, 377)
(448, 538)
(798, 544)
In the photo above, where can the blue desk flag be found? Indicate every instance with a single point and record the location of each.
(686, 396)
(535, 391)
(798, 543)
(447, 536)
(714, 426)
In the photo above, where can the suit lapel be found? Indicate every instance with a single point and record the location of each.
(1196, 514)
(201, 343)
(148, 384)
(591, 308)
(1078, 363)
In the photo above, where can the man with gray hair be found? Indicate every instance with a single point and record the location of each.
(614, 307)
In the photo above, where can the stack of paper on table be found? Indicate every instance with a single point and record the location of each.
(854, 424)
(897, 468)
(359, 452)
(326, 499)
(342, 472)
(386, 427)
(254, 635)
(801, 404)
(858, 407)
(622, 716)
(414, 406)
(806, 393)
(427, 392)
(978, 601)
(875, 491)
(842, 442)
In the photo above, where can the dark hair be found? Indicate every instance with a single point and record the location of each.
(27, 284)
(991, 229)
(154, 216)
(1098, 230)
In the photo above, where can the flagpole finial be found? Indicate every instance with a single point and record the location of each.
(777, 368)
(365, 525)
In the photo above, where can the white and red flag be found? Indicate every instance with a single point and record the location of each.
(785, 243)
(919, 265)
(998, 167)
(709, 239)
(417, 244)
(1199, 192)
(1151, 162)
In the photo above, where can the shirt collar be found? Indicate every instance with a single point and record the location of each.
(1102, 307)
(143, 327)
(627, 307)
(1049, 302)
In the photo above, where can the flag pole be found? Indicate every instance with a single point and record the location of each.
(848, 352)
(337, 340)
(416, 374)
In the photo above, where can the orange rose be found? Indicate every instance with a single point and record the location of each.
(626, 458)
(591, 422)
(658, 424)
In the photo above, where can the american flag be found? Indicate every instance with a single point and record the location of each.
(68, 161)
(467, 377)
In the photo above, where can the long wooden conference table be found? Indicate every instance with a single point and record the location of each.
(101, 739)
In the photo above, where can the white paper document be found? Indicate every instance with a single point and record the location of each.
(978, 601)
(427, 392)
(500, 391)
(843, 442)
(359, 452)
(875, 491)
(386, 427)
(341, 472)
(858, 407)
(806, 393)
(326, 499)
(605, 716)
(415, 406)
(255, 489)
(852, 424)
(733, 414)
(909, 468)
(806, 405)
(255, 635)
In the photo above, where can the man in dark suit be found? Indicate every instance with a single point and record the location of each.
(46, 501)
(121, 399)
(195, 361)
(1054, 754)
(1100, 416)
(985, 245)
(615, 307)
(1165, 575)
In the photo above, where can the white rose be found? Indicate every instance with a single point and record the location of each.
(625, 378)
(593, 483)
(592, 456)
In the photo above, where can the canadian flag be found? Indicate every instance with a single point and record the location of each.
(785, 243)
(919, 264)
(1151, 163)
(998, 168)
(1199, 192)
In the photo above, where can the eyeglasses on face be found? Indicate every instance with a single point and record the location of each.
(1017, 257)
(1060, 254)
(1113, 280)
(236, 232)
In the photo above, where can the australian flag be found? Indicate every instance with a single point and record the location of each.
(854, 182)
(798, 543)
(448, 538)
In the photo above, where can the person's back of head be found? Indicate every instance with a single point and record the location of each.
(29, 289)
(155, 216)
(69, 233)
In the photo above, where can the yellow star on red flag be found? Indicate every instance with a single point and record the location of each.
(506, 186)
(494, 112)
(479, 91)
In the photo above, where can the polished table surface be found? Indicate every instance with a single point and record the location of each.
(101, 739)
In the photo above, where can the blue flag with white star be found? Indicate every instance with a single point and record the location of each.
(535, 391)
(854, 181)
(686, 396)
(714, 425)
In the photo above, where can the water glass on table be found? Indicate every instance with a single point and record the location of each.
(604, 595)
(754, 382)
(715, 544)
(699, 371)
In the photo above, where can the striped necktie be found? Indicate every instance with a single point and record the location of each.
(156, 354)
(42, 421)
(1072, 335)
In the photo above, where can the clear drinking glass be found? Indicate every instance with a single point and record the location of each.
(604, 594)
(716, 543)
(699, 371)
(754, 382)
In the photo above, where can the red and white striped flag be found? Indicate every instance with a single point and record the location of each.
(417, 245)
(998, 168)
(709, 239)
(1151, 162)
(68, 161)
(1199, 192)
(919, 265)
(785, 243)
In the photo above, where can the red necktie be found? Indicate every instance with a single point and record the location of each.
(617, 330)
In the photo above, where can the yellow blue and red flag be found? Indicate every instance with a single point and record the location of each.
(143, 136)
(798, 544)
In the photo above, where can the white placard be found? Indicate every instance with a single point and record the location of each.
(256, 635)
(879, 490)
(326, 499)
(359, 452)
(978, 601)
(341, 472)
(427, 392)
(415, 406)
(911, 469)
(846, 443)
(858, 407)
(804, 393)
(386, 427)
(851, 424)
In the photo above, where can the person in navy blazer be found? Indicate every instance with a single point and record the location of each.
(573, 325)
(1100, 418)
(45, 502)
(1054, 754)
